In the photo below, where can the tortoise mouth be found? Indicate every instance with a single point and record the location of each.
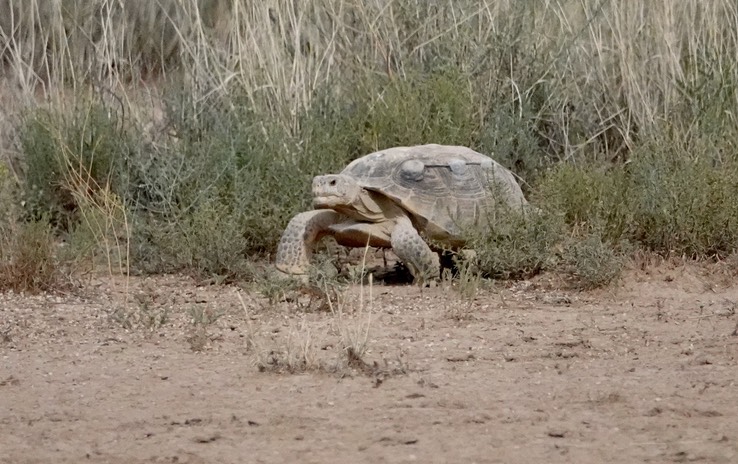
(328, 202)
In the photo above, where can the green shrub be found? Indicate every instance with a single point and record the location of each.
(515, 245)
(520, 246)
(590, 262)
(27, 262)
(212, 196)
(207, 241)
(590, 198)
(513, 139)
(676, 196)
(9, 201)
(71, 153)
(436, 107)
(685, 204)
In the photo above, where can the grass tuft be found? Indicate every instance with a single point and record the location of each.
(591, 263)
(515, 245)
(27, 260)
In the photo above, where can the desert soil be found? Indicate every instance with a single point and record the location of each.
(152, 370)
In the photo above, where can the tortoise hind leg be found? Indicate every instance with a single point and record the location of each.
(299, 238)
(410, 247)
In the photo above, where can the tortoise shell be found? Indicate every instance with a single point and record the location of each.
(443, 188)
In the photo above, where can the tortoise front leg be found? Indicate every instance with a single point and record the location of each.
(299, 238)
(410, 247)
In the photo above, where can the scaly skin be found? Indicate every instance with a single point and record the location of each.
(410, 247)
(299, 238)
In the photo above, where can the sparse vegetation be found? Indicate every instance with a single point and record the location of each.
(296, 353)
(182, 135)
(142, 311)
(141, 314)
(354, 337)
(590, 262)
(27, 261)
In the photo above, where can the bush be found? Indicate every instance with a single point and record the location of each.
(434, 107)
(207, 241)
(514, 245)
(72, 153)
(520, 246)
(590, 262)
(591, 198)
(27, 262)
(686, 199)
(672, 198)
(218, 194)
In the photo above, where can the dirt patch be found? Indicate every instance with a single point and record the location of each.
(161, 370)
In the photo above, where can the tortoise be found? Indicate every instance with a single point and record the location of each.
(409, 199)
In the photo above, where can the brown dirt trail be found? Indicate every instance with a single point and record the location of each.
(642, 372)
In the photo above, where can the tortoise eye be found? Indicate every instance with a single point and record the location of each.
(332, 183)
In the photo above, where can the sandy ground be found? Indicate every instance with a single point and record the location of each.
(163, 370)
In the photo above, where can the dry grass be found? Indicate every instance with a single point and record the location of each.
(631, 61)
(354, 336)
(27, 261)
(299, 349)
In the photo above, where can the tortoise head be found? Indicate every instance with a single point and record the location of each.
(343, 194)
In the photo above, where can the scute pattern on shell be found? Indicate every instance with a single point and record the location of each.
(442, 187)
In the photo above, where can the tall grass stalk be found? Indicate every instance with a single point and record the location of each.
(631, 64)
